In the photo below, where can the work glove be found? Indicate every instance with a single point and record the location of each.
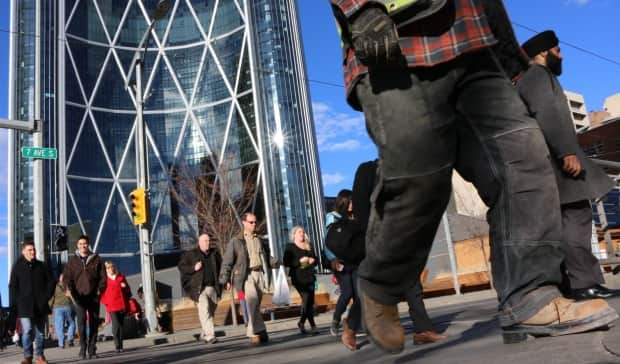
(375, 38)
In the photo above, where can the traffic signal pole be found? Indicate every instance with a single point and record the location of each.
(146, 247)
(37, 141)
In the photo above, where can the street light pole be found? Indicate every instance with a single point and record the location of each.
(144, 233)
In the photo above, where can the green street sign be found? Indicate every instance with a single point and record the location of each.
(40, 153)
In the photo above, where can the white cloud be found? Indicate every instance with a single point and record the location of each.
(337, 131)
(332, 179)
(347, 145)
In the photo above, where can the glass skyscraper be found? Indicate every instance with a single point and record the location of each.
(226, 107)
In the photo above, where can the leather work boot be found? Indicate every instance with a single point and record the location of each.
(562, 316)
(382, 324)
(40, 360)
(426, 337)
(348, 337)
(26, 360)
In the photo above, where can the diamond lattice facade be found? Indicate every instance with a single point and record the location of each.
(226, 102)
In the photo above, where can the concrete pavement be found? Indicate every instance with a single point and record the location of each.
(469, 320)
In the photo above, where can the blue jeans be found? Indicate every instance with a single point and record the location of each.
(32, 327)
(61, 315)
(462, 115)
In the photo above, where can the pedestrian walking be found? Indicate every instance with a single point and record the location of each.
(115, 298)
(299, 257)
(63, 314)
(248, 261)
(579, 180)
(200, 269)
(31, 285)
(363, 185)
(420, 78)
(85, 277)
(342, 207)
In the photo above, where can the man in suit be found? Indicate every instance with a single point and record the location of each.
(579, 180)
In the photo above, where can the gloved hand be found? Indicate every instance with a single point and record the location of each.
(375, 38)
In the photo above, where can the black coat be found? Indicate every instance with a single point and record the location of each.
(192, 280)
(300, 275)
(545, 99)
(31, 286)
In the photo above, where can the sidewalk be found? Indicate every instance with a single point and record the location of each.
(469, 320)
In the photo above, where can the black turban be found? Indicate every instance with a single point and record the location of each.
(540, 42)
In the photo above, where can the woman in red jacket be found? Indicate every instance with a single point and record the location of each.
(115, 299)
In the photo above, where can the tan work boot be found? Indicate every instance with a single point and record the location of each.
(382, 324)
(348, 337)
(563, 316)
(40, 360)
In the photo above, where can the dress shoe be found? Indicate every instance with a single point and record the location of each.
(562, 316)
(597, 291)
(382, 324)
(348, 337)
(301, 327)
(426, 337)
(314, 330)
(40, 360)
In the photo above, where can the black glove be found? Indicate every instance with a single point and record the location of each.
(375, 38)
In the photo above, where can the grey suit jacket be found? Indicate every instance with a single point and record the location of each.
(545, 99)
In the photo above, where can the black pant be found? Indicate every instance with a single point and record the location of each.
(581, 268)
(462, 114)
(118, 318)
(90, 305)
(345, 281)
(417, 310)
(306, 291)
(354, 318)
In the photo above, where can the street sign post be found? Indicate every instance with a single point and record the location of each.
(39, 153)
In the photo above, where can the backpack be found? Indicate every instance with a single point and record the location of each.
(346, 240)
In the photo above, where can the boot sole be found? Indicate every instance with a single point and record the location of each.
(387, 350)
(519, 333)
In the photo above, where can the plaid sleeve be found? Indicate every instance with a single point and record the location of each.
(350, 7)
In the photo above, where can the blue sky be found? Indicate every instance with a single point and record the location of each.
(341, 134)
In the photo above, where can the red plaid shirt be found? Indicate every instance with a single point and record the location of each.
(458, 28)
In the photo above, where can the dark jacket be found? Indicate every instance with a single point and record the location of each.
(363, 185)
(192, 280)
(236, 263)
(30, 287)
(300, 274)
(545, 99)
(85, 281)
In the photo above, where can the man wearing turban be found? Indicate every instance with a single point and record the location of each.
(579, 180)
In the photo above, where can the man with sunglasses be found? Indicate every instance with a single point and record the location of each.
(247, 259)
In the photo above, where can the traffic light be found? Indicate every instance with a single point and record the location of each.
(139, 206)
(60, 237)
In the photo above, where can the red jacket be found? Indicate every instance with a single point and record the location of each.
(115, 298)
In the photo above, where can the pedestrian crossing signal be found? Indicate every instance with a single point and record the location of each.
(138, 206)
